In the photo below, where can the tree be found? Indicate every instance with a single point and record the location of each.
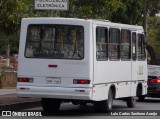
(154, 34)
(130, 12)
(97, 9)
(153, 7)
(10, 12)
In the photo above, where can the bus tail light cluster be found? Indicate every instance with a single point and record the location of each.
(157, 80)
(27, 80)
(81, 81)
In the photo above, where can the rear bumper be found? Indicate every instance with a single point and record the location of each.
(55, 92)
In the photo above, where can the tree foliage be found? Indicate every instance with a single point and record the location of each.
(130, 12)
(11, 12)
(97, 9)
(154, 34)
(153, 7)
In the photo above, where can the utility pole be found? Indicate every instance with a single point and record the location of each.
(145, 19)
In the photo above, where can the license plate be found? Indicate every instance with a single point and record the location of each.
(53, 80)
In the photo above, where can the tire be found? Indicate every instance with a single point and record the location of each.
(105, 105)
(141, 98)
(50, 105)
(131, 102)
(83, 103)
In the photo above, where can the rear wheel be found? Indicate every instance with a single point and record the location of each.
(106, 105)
(131, 102)
(50, 105)
(139, 93)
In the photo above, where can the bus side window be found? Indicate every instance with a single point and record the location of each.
(114, 44)
(141, 47)
(134, 48)
(125, 44)
(102, 43)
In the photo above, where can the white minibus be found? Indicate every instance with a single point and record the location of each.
(81, 61)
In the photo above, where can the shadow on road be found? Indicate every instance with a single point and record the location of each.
(87, 110)
(75, 113)
(151, 100)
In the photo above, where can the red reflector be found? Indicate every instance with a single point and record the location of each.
(81, 90)
(81, 81)
(25, 80)
(24, 88)
(52, 65)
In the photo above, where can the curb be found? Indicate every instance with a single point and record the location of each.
(20, 106)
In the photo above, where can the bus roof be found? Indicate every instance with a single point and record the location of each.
(100, 22)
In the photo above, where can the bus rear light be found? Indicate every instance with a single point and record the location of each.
(29, 80)
(81, 81)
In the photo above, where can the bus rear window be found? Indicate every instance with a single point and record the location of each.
(55, 42)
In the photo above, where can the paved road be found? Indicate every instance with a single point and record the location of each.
(69, 111)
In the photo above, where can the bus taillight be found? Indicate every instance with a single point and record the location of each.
(29, 80)
(81, 81)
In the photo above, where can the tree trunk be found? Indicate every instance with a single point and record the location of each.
(8, 55)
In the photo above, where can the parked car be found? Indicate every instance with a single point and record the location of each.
(153, 82)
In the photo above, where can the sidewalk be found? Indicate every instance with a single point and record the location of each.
(7, 91)
(10, 101)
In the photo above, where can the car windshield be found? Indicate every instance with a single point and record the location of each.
(55, 41)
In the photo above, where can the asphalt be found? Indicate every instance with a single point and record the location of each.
(10, 101)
